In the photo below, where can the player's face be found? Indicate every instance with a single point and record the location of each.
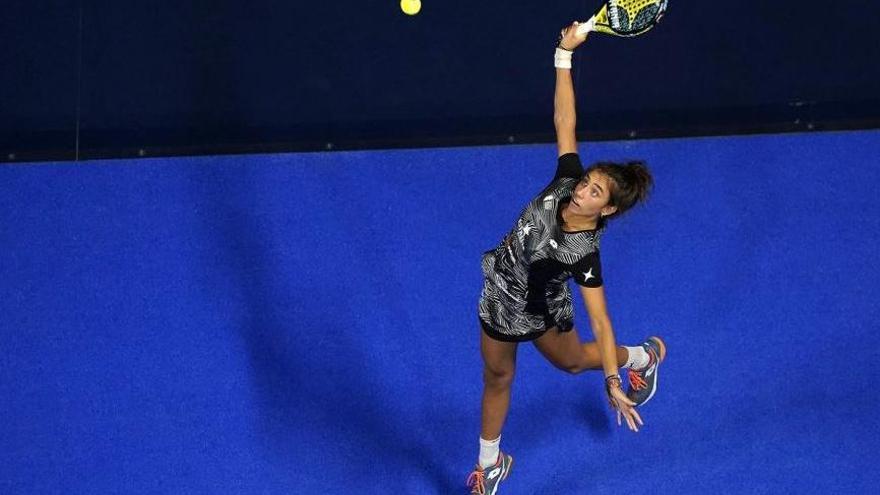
(591, 195)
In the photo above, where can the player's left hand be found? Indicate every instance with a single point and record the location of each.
(626, 409)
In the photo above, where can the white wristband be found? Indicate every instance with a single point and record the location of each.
(562, 59)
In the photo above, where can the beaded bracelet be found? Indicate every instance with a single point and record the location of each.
(608, 380)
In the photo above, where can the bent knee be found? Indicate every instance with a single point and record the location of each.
(572, 368)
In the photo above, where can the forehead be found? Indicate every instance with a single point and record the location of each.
(596, 177)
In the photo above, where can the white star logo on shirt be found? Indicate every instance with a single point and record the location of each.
(588, 275)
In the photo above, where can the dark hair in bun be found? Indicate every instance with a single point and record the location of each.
(631, 183)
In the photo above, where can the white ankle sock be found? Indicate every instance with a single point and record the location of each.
(638, 359)
(489, 451)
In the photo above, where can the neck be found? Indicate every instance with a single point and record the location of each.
(574, 222)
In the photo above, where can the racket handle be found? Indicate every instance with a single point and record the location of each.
(586, 27)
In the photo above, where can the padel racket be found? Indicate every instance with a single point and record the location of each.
(625, 17)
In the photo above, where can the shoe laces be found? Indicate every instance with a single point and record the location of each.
(477, 482)
(636, 378)
(636, 382)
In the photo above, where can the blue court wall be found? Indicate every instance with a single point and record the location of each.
(307, 322)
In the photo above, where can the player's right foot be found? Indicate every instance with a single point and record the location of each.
(643, 383)
(486, 481)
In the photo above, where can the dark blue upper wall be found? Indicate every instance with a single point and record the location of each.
(166, 74)
(38, 75)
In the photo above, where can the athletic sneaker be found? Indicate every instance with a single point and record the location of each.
(486, 482)
(643, 383)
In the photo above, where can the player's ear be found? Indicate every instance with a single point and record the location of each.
(608, 211)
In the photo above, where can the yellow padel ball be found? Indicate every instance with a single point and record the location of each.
(410, 7)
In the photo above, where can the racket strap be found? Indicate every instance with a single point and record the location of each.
(585, 27)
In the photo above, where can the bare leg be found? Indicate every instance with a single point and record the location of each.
(499, 364)
(565, 351)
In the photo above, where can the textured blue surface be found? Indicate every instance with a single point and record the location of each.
(287, 323)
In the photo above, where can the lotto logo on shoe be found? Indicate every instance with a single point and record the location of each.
(494, 474)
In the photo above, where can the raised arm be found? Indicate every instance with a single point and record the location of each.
(564, 115)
